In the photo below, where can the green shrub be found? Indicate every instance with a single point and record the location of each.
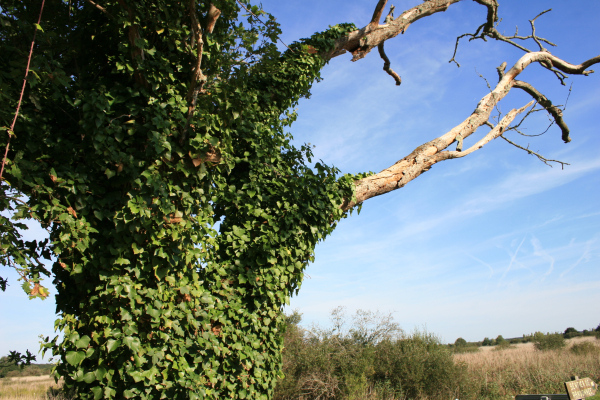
(585, 348)
(419, 366)
(550, 341)
(500, 340)
(370, 357)
(332, 363)
(460, 342)
(487, 342)
(571, 333)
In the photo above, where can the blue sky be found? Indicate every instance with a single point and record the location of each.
(495, 243)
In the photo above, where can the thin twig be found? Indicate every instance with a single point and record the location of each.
(512, 128)
(12, 127)
(539, 156)
(99, 7)
(259, 20)
(568, 95)
(488, 30)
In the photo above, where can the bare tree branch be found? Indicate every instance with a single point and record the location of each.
(553, 110)
(424, 156)
(534, 37)
(531, 111)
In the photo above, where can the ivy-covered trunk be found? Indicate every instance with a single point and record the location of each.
(180, 216)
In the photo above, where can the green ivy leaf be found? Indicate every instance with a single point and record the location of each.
(100, 372)
(83, 342)
(109, 174)
(112, 344)
(132, 342)
(161, 273)
(75, 357)
(89, 377)
(122, 261)
(98, 393)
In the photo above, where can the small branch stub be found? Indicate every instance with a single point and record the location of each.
(386, 65)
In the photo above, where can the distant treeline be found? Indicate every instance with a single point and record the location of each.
(11, 369)
(569, 333)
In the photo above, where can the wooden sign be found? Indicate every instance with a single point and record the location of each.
(581, 388)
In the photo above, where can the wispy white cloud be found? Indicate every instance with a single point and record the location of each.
(512, 261)
(595, 214)
(520, 185)
(584, 257)
(540, 252)
(481, 262)
(503, 193)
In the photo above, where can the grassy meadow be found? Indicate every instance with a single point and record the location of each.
(369, 357)
(334, 367)
(521, 369)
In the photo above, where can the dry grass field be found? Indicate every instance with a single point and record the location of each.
(28, 388)
(521, 369)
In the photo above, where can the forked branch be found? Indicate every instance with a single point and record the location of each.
(198, 78)
(496, 131)
(378, 12)
(362, 41)
(553, 110)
